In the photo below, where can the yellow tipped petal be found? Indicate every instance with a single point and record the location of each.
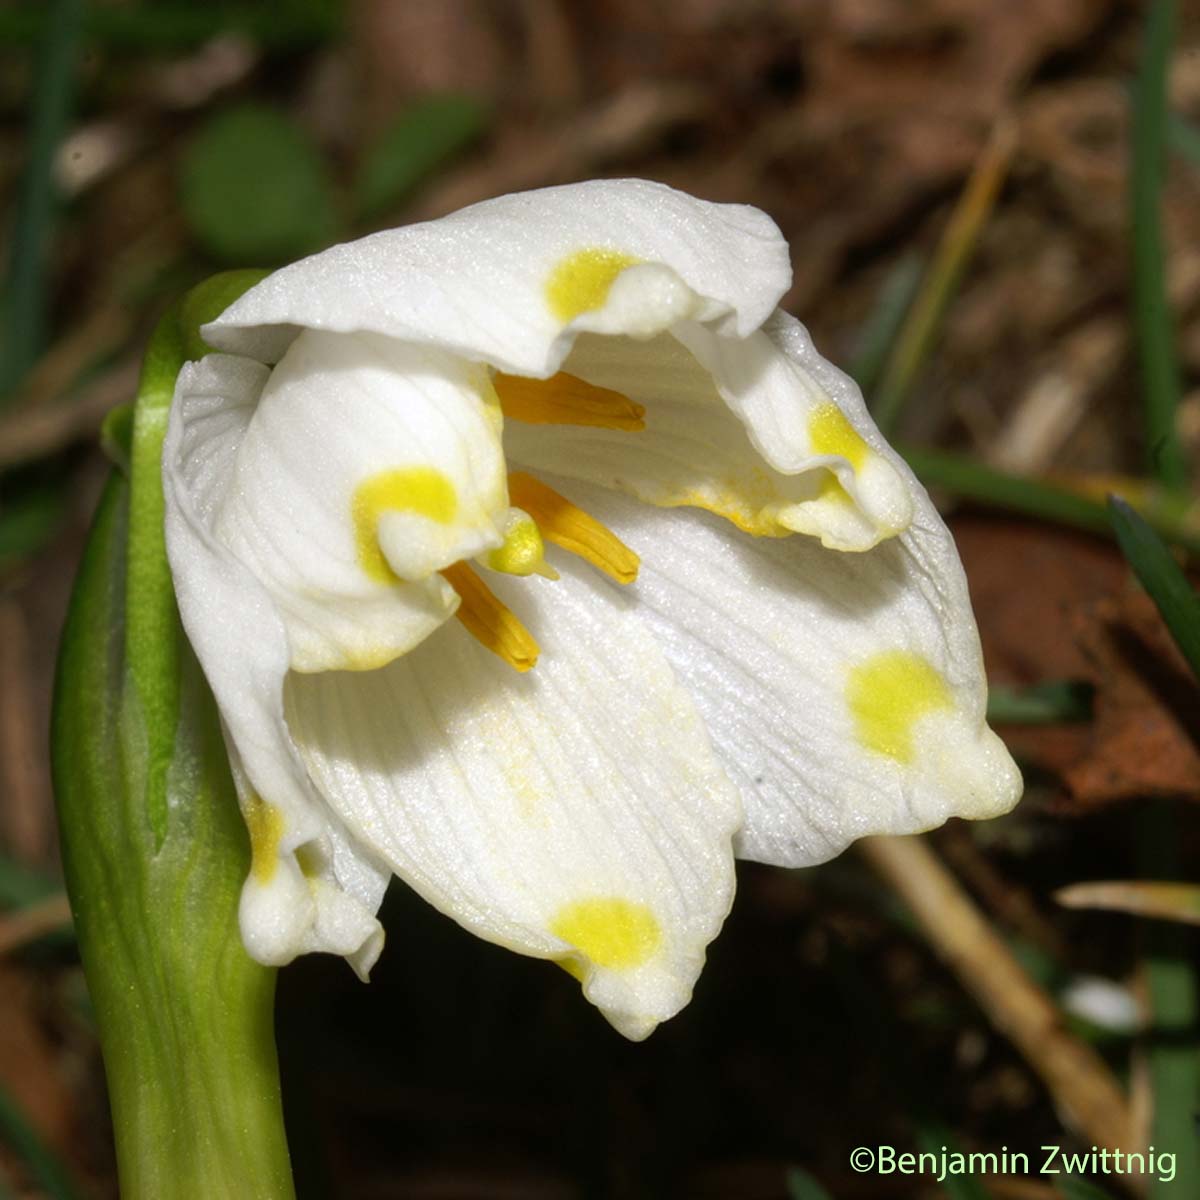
(608, 930)
(265, 825)
(888, 694)
(490, 622)
(572, 529)
(421, 490)
(567, 400)
(580, 282)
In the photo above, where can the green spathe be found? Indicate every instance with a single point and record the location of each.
(154, 848)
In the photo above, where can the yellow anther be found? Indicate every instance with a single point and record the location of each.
(523, 552)
(264, 823)
(572, 529)
(488, 621)
(580, 282)
(566, 400)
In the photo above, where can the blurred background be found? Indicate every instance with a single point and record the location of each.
(981, 232)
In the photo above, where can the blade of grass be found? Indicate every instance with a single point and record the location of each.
(1170, 901)
(878, 335)
(1162, 577)
(1174, 1053)
(1042, 704)
(1184, 138)
(25, 1141)
(25, 291)
(941, 281)
(1151, 307)
(1032, 497)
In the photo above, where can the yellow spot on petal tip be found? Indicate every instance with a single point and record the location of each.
(581, 282)
(424, 491)
(571, 529)
(264, 822)
(565, 399)
(490, 622)
(831, 433)
(610, 932)
(888, 694)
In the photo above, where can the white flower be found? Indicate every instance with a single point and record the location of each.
(392, 433)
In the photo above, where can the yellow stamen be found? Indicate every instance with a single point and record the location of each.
(567, 400)
(490, 622)
(572, 529)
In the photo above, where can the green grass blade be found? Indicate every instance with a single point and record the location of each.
(879, 334)
(23, 309)
(1162, 577)
(1041, 704)
(43, 1163)
(1184, 138)
(1152, 312)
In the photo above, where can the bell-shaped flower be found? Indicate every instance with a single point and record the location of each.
(534, 556)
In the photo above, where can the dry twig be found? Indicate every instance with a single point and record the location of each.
(1078, 1079)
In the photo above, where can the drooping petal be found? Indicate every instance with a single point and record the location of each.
(363, 467)
(742, 427)
(311, 887)
(844, 692)
(511, 280)
(575, 813)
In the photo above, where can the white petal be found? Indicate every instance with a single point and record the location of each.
(509, 281)
(312, 887)
(775, 450)
(576, 812)
(365, 467)
(844, 692)
(801, 412)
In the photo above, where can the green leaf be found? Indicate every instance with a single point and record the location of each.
(1161, 576)
(255, 189)
(422, 139)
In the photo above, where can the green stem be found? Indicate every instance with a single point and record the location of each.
(155, 854)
